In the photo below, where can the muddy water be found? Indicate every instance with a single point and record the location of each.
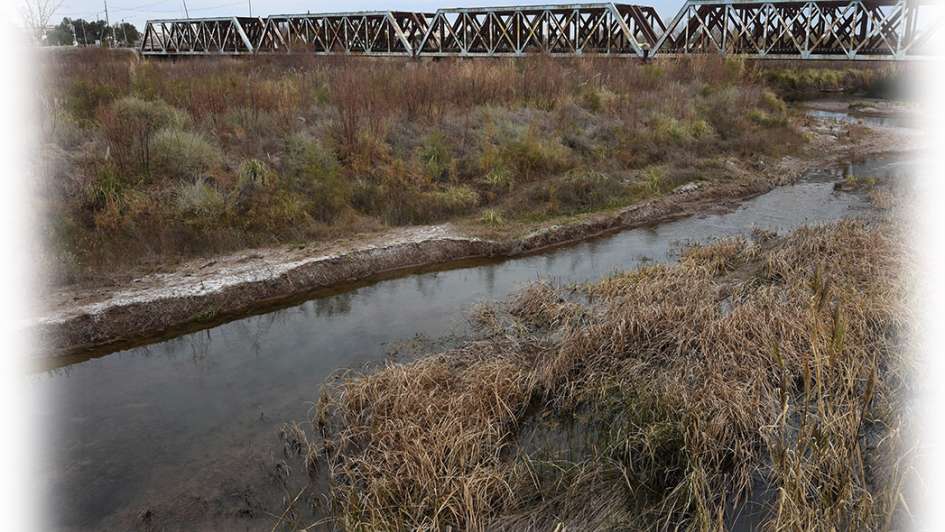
(189, 426)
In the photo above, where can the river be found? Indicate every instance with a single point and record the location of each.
(188, 427)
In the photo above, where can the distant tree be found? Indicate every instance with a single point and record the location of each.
(61, 35)
(127, 34)
(37, 14)
(92, 32)
(89, 32)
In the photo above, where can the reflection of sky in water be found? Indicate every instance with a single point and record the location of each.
(846, 118)
(144, 419)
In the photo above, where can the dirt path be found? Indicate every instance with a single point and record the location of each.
(205, 292)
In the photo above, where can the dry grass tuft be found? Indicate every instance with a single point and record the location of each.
(662, 398)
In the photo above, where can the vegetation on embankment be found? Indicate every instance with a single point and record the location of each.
(150, 161)
(769, 370)
(795, 81)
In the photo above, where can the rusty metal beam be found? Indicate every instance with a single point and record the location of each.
(846, 30)
(780, 29)
(363, 33)
(201, 36)
(578, 29)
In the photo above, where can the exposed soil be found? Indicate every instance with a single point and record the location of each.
(203, 292)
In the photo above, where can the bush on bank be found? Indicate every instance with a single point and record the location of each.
(288, 148)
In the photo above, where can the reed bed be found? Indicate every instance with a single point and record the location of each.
(765, 373)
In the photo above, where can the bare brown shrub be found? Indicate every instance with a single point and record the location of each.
(415, 142)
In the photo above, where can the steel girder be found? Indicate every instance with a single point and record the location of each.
(838, 30)
(781, 29)
(365, 33)
(605, 28)
(228, 35)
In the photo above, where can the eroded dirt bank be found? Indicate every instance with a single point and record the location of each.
(208, 291)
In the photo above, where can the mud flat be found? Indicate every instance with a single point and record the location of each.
(89, 320)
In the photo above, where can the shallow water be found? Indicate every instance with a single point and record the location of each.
(842, 117)
(192, 416)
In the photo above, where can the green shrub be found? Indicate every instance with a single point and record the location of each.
(454, 200)
(284, 210)
(148, 115)
(84, 98)
(596, 99)
(63, 129)
(582, 191)
(435, 158)
(182, 154)
(793, 80)
(331, 195)
(106, 187)
(199, 199)
(670, 130)
(654, 179)
(765, 119)
(530, 157)
(492, 217)
(254, 173)
(499, 180)
(367, 197)
(722, 110)
(411, 206)
(130, 125)
(773, 103)
(700, 129)
(314, 171)
(306, 159)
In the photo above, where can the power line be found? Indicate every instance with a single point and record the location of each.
(142, 9)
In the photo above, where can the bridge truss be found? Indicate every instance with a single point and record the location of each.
(778, 29)
(558, 30)
(840, 30)
(202, 36)
(368, 33)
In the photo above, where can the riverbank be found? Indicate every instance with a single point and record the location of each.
(78, 321)
(185, 433)
(759, 382)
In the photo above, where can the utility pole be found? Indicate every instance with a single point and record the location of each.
(75, 34)
(107, 25)
(250, 7)
(186, 13)
(124, 31)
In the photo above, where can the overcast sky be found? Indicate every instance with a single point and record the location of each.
(138, 11)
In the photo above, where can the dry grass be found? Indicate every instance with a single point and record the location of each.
(749, 368)
(352, 144)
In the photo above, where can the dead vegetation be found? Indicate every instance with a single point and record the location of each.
(149, 162)
(766, 372)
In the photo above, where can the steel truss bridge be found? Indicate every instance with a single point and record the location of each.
(777, 29)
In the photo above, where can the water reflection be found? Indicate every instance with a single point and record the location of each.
(136, 425)
(848, 118)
